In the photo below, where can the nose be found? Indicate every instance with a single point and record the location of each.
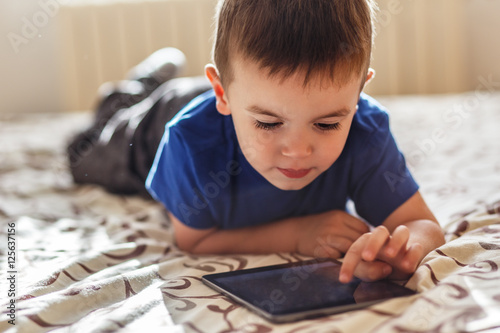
(297, 145)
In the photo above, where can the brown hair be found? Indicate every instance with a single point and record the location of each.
(331, 39)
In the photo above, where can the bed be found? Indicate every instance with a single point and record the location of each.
(90, 261)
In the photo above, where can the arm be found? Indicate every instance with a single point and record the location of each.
(274, 237)
(396, 248)
(328, 234)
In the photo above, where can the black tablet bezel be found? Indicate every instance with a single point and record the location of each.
(213, 281)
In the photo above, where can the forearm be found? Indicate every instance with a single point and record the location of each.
(274, 237)
(329, 234)
(421, 223)
(427, 233)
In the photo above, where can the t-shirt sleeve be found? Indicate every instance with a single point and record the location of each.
(173, 181)
(382, 181)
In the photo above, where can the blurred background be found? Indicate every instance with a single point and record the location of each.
(54, 54)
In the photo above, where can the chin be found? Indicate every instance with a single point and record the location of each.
(290, 185)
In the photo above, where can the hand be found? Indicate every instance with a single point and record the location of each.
(329, 234)
(378, 254)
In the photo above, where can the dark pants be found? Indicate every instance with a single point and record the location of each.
(119, 149)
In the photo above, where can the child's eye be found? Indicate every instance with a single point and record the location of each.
(267, 126)
(327, 127)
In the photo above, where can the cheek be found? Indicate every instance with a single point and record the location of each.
(254, 139)
(331, 150)
(265, 140)
(259, 150)
(254, 143)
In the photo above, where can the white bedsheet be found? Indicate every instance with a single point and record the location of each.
(88, 261)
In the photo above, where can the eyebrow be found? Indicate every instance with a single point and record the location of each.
(342, 112)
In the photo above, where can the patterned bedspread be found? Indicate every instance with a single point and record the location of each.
(89, 261)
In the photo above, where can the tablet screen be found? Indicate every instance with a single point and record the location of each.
(301, 290)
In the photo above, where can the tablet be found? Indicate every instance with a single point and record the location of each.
(306, 289)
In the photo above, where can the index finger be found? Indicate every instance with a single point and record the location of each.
(352, 259)
(379, 237)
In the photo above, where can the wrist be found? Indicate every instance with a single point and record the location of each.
(427, 233)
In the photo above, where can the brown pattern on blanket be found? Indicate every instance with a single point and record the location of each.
(89, 261)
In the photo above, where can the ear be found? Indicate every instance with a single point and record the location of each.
(222, 103)
(370, 75)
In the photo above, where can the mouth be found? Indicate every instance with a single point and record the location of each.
(293, 173)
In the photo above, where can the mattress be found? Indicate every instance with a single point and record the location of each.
(79, 259)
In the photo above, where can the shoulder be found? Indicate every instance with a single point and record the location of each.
(369, 106)
(379, 179)
(197, 145)
(199, 106)
(371, 116)
(199, 125)
(370, 125)
(197, 138)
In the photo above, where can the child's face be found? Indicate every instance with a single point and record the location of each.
(289, 133)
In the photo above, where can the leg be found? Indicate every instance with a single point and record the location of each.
(149, 131)
(160, 67)
(123, 151)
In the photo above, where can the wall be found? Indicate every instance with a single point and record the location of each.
(29, 64)
(102, 40)
(435, 46)
(67, 48)
(483, 39)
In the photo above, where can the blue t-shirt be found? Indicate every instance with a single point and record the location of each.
(203, 178)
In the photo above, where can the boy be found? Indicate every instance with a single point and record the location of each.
(267, 159)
